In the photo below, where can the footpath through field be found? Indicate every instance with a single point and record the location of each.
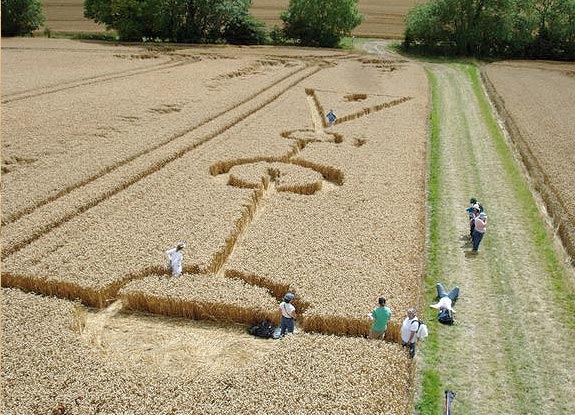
(511, 350)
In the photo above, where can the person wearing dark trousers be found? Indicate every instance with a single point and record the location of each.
(473, 211)
(479, 231)
(409, 331)
(288, 314)
(449, 298)
(445, 303)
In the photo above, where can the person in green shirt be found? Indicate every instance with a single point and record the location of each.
(380, 316)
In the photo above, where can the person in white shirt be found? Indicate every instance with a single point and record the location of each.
(175, 258)
(446, 300)
(409, 331)
(288, 314)
(445, 304)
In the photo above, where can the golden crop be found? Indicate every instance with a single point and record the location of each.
(534, 99)
(233, 157)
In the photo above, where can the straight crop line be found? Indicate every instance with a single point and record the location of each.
(108, 193)
(17, 215)
(552, 197)
(88, 81)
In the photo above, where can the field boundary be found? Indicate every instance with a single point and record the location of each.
(428, 402)
(553, 203)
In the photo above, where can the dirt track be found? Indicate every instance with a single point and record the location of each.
(510, 345)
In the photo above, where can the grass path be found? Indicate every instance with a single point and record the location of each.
(512, 348)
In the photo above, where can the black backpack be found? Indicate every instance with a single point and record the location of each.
(445, 316)
(264, 329)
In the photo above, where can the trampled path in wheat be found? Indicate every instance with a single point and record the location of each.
(510, 351)
(140, 165)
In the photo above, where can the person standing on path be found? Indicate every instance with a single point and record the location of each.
(288, 314)
(409, 331)
(473, 211)
(175, 258)
(479, 231)
(380, 316)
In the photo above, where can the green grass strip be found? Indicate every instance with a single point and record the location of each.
(431, 395)
(431, 398)
(558, 278)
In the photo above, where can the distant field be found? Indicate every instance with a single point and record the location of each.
(67, 16)
(382, 18)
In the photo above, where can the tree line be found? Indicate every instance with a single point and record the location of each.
(305, 22)
(480, 28)
(493, 28)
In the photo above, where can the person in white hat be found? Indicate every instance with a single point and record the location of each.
(479, 231)
(175, 258)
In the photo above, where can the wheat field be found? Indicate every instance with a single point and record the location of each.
(536, 100)
(227, 149)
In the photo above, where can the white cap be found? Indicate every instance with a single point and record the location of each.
(181, 245)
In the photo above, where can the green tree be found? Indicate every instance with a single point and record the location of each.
(320, 23)
(552, 24)
(21, 17)
(519, 28)
(243, 29)
(568, 35)
(424, 26)
(178, 20)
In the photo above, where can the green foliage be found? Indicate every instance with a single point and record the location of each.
(320, 23)
(21, 17)
(423, 24)
(178, 20)
(278, 36)
(522, 28)
(107, 37)
(243, 29)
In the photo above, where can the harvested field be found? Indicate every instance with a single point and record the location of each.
(228, 150)
(67, 16)
(536, 100)
(382, 18)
